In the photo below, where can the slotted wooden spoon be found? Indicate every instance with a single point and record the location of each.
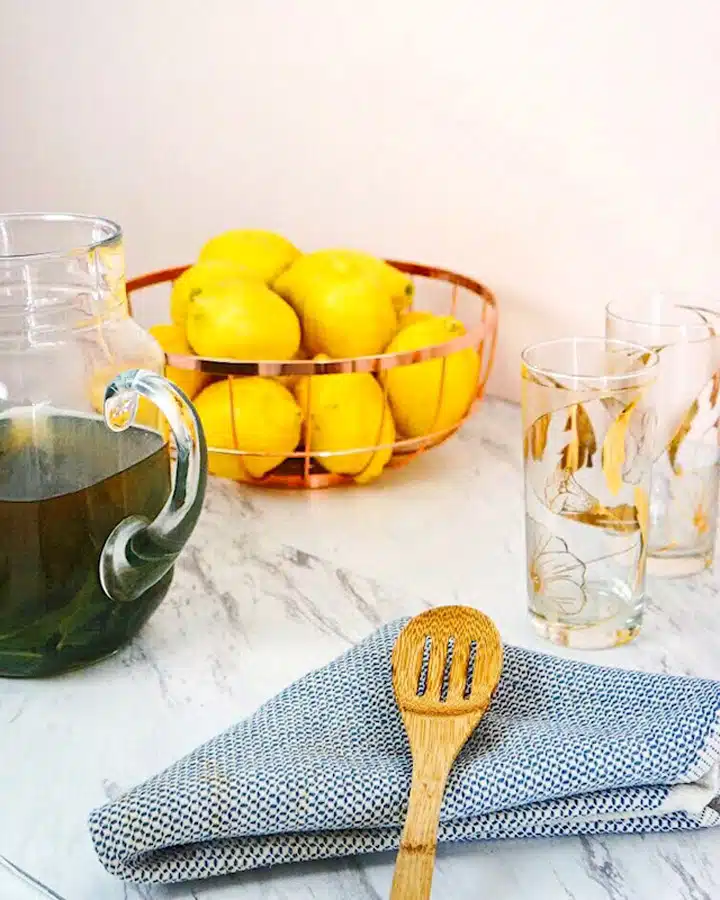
(446, 664)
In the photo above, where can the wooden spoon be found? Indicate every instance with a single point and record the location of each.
(446, 664)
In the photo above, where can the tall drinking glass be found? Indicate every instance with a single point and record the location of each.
(686, 456)
(588, 427)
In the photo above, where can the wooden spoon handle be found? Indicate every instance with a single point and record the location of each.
(416, 858)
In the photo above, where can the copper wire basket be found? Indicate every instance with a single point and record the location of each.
(436, 290)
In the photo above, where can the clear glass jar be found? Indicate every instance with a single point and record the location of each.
(93, 513)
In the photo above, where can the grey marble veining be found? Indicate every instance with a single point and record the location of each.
(274, 584)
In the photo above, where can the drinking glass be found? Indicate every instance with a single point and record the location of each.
(686, 455)
(588, 425)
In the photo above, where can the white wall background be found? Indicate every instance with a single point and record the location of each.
(562, 151)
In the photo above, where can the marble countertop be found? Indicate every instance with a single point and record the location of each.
(289, 580)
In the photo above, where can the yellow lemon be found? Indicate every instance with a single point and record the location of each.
(352, 317)
(346, 309)
(196, 277)
(242, 319)
(422, 400)
(380, 458)
(253, 414)
(344, 411)
(173, 340)
(262, 252)
(292, 286)
(411, 318)
(296, 283)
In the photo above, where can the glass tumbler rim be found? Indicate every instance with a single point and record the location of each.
(625, 311)
(114, 233)
(644, 369)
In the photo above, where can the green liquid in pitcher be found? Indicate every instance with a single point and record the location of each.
(65, 483)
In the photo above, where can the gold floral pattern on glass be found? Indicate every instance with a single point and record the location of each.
(556, 575)
(686, 457)
(587, 441)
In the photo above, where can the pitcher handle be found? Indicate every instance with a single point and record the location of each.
(138, 552)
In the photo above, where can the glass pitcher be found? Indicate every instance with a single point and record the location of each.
(93, 513)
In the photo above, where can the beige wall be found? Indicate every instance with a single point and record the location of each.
(564, 151)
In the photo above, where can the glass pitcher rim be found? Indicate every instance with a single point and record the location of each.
(115, 234)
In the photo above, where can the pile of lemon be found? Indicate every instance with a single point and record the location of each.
(252, 295)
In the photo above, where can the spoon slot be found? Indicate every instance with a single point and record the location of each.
(446, 671)
(424, 665)
(470, 673)
(436, 668)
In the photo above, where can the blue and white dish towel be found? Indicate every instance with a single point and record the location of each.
(324, 768)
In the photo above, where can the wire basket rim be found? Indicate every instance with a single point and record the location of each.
(473, 337)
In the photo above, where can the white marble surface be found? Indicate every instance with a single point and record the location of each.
(274, 584)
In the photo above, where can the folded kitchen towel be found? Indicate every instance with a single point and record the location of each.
(324, 768)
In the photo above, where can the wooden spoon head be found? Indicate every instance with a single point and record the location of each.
(447, 662)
